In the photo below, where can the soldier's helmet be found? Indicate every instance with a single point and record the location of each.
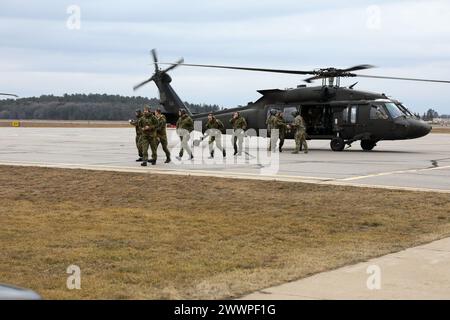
(182, 111)
(273, 112)
(295, 113)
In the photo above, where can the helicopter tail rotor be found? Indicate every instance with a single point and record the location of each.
(155, 59)
(159, 74)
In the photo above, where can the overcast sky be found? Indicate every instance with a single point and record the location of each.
(109, 53)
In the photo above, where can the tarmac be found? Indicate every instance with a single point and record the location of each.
(421, 164)
(417, 273)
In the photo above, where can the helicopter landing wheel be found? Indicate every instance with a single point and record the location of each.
(337, 144)
(368, 145)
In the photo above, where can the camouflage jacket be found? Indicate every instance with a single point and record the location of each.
(270, 122)
(299, 124)
(135, 123)
(162, 123)
(238, 123)
(278, 123)
(185, 122)
(151, 122)
(215, 124)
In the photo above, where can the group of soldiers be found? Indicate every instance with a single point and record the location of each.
(185, 125)
(276, 121)
(151, 131)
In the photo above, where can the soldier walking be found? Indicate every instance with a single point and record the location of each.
(270, 122)
(300, 133)
(239, 125)
(135, 123)
(280, 124)
(185, 125)
(148, 124)
(215, 127)
(161, 133)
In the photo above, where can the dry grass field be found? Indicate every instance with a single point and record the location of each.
(439, 129)
(144, 236)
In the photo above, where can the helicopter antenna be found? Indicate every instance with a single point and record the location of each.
(353, 85)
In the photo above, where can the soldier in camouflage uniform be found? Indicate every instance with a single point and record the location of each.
(135, 123)
(215, 127)
(161, 133)
(280, 124)
(270, 122)
(148, 124)
(300, 133)
(185, 125)
(239, 125)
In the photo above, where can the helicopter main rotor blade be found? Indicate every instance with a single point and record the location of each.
(401, 78)
(142, 83)
(309, 80)
(244, 68)
(317, 74)
(358, 67)
(9, 94)
(173, 65)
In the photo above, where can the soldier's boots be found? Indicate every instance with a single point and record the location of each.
(153, 162)
(139, 159)
(224, 153)
(144, 163)
(211, 155)
(280, 149)
(167, 160)
(191, 157)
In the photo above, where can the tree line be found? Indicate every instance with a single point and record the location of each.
(433, 114)
(102, 107)
(83, 107)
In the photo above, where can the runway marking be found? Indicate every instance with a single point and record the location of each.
(230, 175)
(392, 172)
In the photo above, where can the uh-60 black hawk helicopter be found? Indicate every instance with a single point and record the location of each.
(331, 112)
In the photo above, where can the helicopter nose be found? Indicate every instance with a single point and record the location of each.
(420, 129)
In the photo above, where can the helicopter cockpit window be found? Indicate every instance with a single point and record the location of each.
(378, 113)
(405, 110)
(393, 110)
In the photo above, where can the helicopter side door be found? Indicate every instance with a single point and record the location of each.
(287, 111)
(378, 122)
(349, 124)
